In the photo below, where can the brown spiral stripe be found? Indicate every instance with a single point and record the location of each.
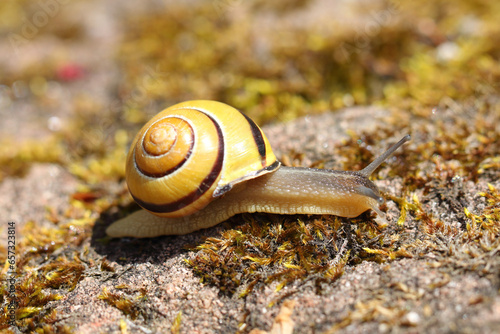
(258, 137)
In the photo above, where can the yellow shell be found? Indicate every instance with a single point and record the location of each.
(192, 152)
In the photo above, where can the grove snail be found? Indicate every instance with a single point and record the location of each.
(198, 163)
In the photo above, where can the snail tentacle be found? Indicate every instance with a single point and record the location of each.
(368, 170)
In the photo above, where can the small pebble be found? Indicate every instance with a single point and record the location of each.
(411, 319)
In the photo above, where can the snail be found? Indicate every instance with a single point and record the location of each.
(198, 163)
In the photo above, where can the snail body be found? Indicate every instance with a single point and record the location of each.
(241, 174)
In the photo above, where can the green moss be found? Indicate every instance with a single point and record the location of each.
(131, 306)
(15, 160)
(176, 325)
(486, 224)
(281, 84)
(50, 262)
(284, 250)
(304, 70)
(35, 289)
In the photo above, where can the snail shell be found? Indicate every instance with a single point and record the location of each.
(192, 152)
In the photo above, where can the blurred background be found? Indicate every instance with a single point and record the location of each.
(79, 77)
